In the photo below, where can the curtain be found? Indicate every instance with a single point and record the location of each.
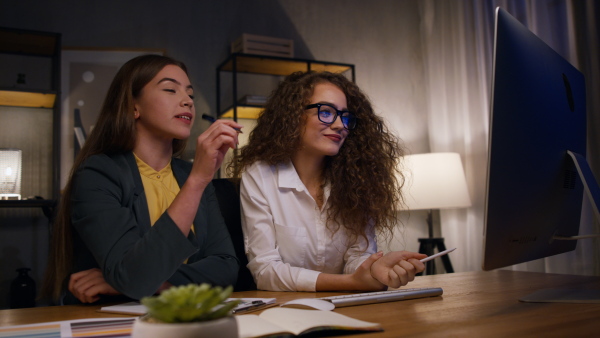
(457, 40)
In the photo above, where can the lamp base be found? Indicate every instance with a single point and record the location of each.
(427, 246)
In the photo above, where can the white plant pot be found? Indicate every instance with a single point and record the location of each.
(223, 328)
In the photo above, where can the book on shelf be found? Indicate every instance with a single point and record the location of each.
(254, 100)
(275, 322)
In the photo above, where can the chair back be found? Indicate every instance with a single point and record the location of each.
(227, 192)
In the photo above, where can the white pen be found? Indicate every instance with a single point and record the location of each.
(437, 255)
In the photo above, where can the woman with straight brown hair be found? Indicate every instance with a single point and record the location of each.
(133, 218)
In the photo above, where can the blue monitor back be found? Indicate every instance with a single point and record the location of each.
(537, 114)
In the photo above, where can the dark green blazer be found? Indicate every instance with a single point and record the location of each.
(112, 231)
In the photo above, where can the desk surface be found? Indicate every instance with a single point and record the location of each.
(473, 304)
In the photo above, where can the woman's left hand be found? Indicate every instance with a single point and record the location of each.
(87, 285)
(397, 268)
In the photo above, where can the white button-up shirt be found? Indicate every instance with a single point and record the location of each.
(286, 240)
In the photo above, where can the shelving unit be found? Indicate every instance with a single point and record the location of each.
(265, 65)
(36, 44)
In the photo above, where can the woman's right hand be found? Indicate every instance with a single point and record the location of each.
(211, 147)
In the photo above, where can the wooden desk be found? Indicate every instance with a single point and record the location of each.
(474, 304)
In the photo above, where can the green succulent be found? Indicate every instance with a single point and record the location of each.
(190, 303)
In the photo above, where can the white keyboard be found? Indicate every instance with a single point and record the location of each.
(383, 296)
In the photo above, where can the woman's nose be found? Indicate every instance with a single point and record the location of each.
(187, 101)
(337, 124)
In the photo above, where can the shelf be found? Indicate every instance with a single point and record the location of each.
(28, 42)
(47, 47)
(266, 65)
(33, 203)
(47, 206)
(243, 112)
(270, 65)
(17, 98)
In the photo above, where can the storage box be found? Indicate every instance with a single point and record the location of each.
(263, 45)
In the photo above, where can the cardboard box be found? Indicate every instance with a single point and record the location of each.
(263, 45)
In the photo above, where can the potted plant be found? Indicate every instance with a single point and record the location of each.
(188, 311)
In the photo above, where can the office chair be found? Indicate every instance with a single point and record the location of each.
(229, 202)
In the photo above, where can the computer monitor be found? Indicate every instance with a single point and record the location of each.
(538, 115)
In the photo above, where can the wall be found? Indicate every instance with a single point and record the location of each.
(378, 36)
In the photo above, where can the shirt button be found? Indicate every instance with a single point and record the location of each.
(157, 176)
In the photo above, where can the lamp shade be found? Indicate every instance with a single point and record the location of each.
(434, 181)
(10, 173)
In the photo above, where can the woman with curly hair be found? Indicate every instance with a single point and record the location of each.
(318, 181)
(133, 219)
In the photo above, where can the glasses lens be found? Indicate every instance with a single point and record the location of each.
(327, 114)
(348, 120)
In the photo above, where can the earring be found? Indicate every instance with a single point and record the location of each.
(136, 115)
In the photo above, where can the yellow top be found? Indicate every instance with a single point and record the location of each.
(160, 187)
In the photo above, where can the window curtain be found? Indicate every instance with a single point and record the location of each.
(457, 40)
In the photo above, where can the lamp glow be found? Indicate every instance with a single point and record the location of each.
(434, 181)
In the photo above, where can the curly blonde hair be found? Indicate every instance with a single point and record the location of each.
(364, 176)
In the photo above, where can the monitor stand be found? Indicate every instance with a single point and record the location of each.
(587, 177)
(563, 296)
(573, 295)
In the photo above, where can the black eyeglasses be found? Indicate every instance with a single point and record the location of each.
(328, 114)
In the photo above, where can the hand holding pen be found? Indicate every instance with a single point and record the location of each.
(212, 146)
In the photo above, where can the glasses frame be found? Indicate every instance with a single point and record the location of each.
(338, 113)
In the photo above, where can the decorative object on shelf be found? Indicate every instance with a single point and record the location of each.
(434, 181)
(10, 173)
(263, 45)
(80, 134)
(253, 100)
(188, 311)
(21, 82)
(22, 290)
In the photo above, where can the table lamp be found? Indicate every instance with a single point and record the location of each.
(434, 181)
(10, 173)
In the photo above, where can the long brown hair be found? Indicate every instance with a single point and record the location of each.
(114, 132)
(364, 176)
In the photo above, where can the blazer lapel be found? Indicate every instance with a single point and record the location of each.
(139, 202)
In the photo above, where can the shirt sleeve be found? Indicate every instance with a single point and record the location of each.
(264, 260)
(360, 251)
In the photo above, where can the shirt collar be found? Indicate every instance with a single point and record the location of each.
(149, 172)
(288, 178)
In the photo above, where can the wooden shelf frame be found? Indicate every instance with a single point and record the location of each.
(26, 98)
(44, 45)
(266, 65)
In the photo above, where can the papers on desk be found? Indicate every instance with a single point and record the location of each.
(246, 305)
(271, 322)
(92, 327)
(252, 304)
(279, 321)
(131, 308)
